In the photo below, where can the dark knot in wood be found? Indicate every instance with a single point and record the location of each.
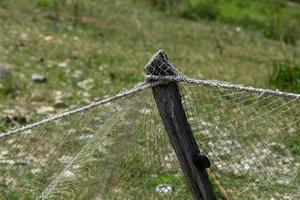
(201, 161)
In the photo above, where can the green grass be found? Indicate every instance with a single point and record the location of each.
(112, 50)
(277, 20)
(109, 42)
(286, 76)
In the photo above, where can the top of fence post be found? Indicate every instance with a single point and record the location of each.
(159, 65)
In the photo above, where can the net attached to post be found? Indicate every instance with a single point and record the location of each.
(251, 135)
(119, 149)
(252, 140)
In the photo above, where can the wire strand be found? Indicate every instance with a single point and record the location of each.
(139, 87)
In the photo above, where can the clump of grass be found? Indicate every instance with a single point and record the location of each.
(277, 32)
(164, 4)
(293, 143)
(9, 194)
(7, 87)
(190, 9)
(203, 9)
(2, 126)
(286, 76)
(44, 3)
(278, 29)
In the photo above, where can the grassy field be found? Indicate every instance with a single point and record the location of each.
(275, 19)
(89, 50)
(106, 49)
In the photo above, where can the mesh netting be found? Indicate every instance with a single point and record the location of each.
(115, 151)
(120, 149)
(252, 140)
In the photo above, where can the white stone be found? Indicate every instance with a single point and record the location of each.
(63, 64)
(164, 189)
(86, 137)
(238, 29)
(45, 109)
(86, 84)
(48, 38)
(38, 78)
(36, 170)
(77, 74)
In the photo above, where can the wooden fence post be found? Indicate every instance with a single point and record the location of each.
(168, 99)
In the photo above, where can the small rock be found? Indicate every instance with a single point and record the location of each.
(45, 109)
(238, 29)
(281, 182)
(246, 167)
(59, 99)
(38, 78)
(4, 152)
(63, 64)
(60, 104)
(86, 137)
(23, 36)
(36, 170)
(10, 141)
(291, 131)
(86, 84)
(204, 123)
(86, 95)
(48, 38)
(153, 176)
(164, 189)
(10, 162)
(76, 167)
(71, 131)
(145, 111)
(10, 181)
(77, 74)
(107, 81)
(4, 73)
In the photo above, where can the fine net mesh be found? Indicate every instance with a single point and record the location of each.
(115, 151)
(120, 150)
(252, 140)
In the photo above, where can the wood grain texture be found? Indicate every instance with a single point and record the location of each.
(168, 100)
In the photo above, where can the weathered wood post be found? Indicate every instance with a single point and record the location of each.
(168, 100)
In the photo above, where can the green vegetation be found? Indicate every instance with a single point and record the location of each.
(286, 76)
(275, 19)
(93, 49)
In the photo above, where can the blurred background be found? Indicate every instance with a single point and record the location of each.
(60, 54)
